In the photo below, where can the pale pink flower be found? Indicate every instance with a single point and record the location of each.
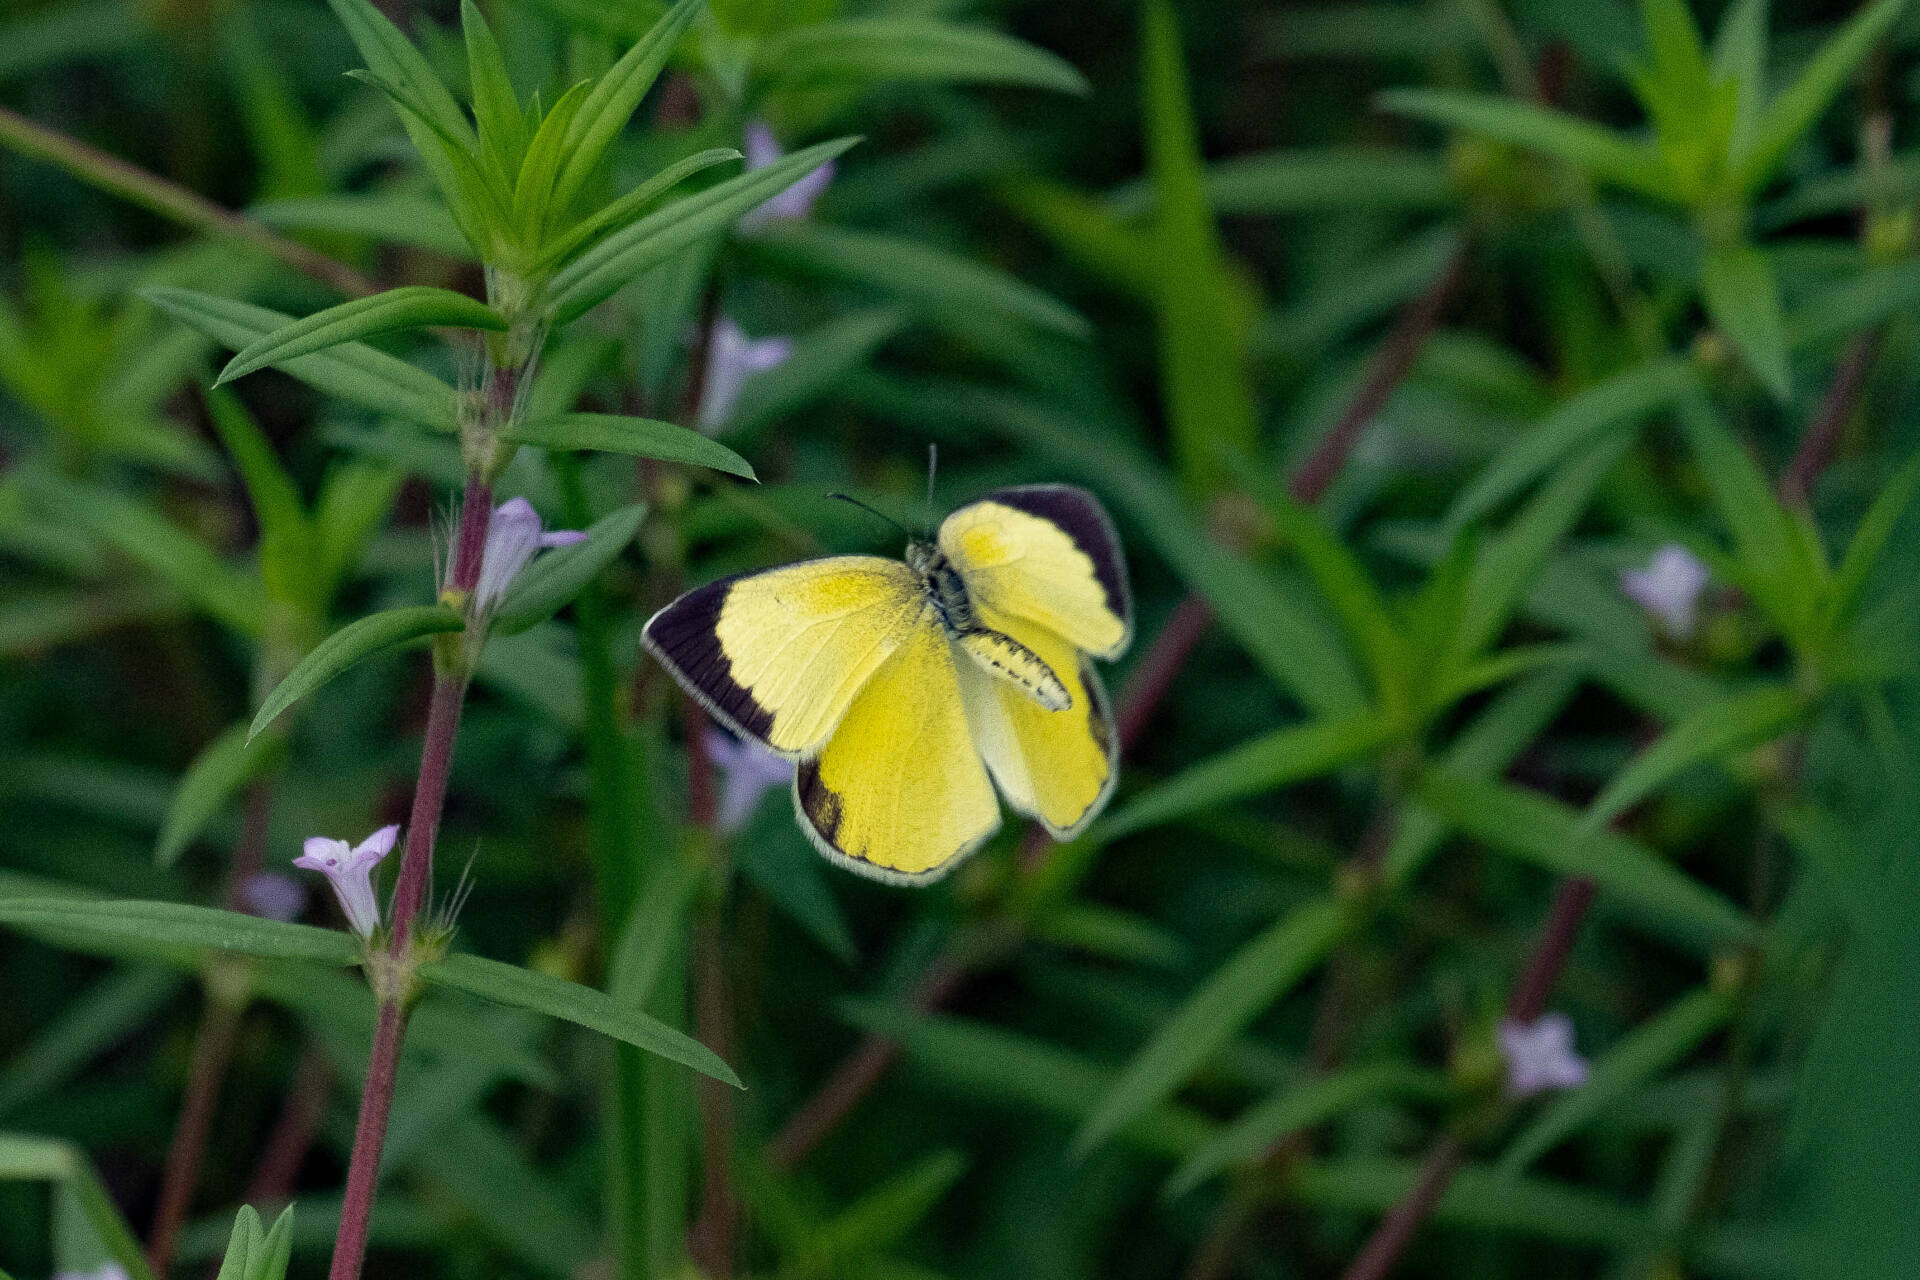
(514, 535)
(1540, 1055)
(350, 872)
(797, 200)
(1669, 589)
(732, 359)
(747, 772)
(272, 896)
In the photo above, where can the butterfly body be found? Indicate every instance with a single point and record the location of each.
(901, 688)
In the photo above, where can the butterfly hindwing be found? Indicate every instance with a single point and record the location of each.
(899, 791)
(779, 656)
(1056, 766)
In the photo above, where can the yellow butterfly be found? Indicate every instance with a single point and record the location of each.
(900, 687)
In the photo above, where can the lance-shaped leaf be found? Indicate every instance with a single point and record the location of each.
(1310, 180)
(610, 104)
(1255, 1130)
(631, 205)
(1742, 720)
(1600, 153)
(227, 764)
(1650, 1049)
(525, 989)
(545, 586)
(1545, 832)
(1788, 117)
(257, 1254)
(1870, 538)
(416, 306)
(1253, 768)
(917, 272)
(496, 108)
(25, 1157)
(1743, 298)
(176, 924)
(351, 371)
(349, 645)
(1238, 992)
(640, 437)
(596, 274)
(911, 49)
(386, 217)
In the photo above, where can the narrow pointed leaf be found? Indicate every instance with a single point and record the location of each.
(351, 371)
(1598, 152)
(496, 109)
(611, 102)
(1870, 539)
(634, 203)
(180, 925)
(640, 437)
(1715, 732)
(526, 989)
(1788, 117)
(600, 271)
(349, 645)
(214, 777)
(392, 57)
(1253, 768)
(911, 49)
(1545, 832)
(1259, 973)
(411, 307)
(1743, 298)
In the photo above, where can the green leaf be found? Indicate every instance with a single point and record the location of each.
(1868, 298)
(496, 108)
(885, 1215)
(1740, 56)
(1739, 721)
(1600, 153)
(1477, 1198)
(1007, 1069)
(90, 1021)
(1649, 1049)
(253, 1254)
(1870, 539)
(392, 57)
(533, 187)
(911, 49)
(214, 777)
(352, 372)
(1547, 833)
(177, 924)
(597, 273)
(1743, 298)
(552, 581)
(286, 535)
(1745, 500)
(526, 989)
(1203, 371)
(415, 306)
(1788, 117)
(354, 501)
(631, 205)
(28, 1158)
(640, 437)
(611, 102)
(1310, 180)
(386, 217)
(159, 546)
(348, 645)
(1259, 973)
(917, 272)
(1624, 400)
(1268, 762)
(1298, 1107)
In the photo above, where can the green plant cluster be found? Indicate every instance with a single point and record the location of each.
(1511, 411)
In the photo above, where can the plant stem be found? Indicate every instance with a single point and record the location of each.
(1397, 1229)
(292, 1136)
(409, 894)
(212, 1054)
(157, 195)
(1823, 434)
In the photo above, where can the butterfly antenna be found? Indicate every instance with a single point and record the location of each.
(872, 511)
(933, 469)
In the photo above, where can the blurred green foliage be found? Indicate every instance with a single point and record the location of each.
(1393, 335)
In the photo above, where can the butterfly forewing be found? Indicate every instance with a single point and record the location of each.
(1046, 553)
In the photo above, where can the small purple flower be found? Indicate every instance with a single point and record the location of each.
(797, 200)
(272, 896)
(732, 358)
(747, 772)
(1669, 588)
(350, 872)
(1540, 1055)
(514, 534)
